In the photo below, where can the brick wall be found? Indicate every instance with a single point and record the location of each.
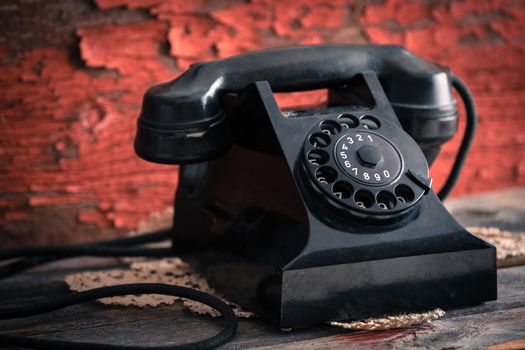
(72, 74)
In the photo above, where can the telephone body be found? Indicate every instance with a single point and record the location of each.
(333, 205)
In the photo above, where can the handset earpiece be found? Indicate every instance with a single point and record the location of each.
(177, 129)
(182, 121)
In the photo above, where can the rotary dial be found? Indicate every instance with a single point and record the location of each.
(366, 165)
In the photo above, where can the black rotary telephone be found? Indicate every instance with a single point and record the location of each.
(306, 216)
(334, 204)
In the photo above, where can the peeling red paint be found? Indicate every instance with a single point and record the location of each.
(67, 127)
(123, 47)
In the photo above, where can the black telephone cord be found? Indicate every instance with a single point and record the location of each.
(33, 257)
(33, 261)
(82, 250)
(468, 136)
(136, 288)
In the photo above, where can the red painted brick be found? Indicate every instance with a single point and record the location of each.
(287, 21)
(385, 36)
(380, 13)
(194, 36)
(323, 16)
(67, 129)
(123, 47)
(91, 216)
(412, 12)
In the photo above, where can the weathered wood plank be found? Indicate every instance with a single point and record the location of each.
(509, 345)
(173, 324)
(467, 332)
(502, 209)
(479, 326)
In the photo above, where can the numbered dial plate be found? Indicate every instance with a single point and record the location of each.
(364, 164)
(368, 157)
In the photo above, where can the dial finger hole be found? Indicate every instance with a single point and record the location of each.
(404, 194)
(317, 157)
(370, 123)
(330, 127)
(319, 140)
(364, 199)
(326, 175)
(386, 200)
(342, 190)
(348, 121)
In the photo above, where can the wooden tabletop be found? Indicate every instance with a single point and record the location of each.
(496, 325)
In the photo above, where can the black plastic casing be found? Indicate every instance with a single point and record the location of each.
(297, 254)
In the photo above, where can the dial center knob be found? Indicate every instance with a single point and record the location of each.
(369, 155)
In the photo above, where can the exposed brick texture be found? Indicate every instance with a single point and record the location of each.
(72, 75)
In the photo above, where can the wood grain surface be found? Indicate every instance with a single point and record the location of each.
(496, 325)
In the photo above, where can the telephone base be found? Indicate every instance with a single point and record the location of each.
(387, 287)
(345, 292)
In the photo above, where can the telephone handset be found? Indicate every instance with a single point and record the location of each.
(183, 121)
(334, 205)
